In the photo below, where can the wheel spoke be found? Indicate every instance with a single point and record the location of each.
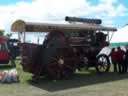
(63, 67)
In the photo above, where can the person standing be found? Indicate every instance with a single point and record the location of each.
(114, 59)
(125, 67)
(120, 57)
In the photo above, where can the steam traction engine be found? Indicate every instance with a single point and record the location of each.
(65, 48)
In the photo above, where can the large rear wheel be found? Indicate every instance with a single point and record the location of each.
(62, 66)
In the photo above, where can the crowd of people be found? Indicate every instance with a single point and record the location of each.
(119, 59)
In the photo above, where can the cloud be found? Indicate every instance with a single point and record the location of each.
(109, 2)
(56, 10)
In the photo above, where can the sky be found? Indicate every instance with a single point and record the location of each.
(112, 12)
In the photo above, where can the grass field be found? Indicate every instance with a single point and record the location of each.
(81, 84)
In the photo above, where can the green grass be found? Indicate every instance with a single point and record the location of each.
(84, 83)
(24, 76)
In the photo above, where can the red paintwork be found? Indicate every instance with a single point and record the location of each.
(4, 54)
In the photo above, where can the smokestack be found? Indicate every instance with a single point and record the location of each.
(84, 20)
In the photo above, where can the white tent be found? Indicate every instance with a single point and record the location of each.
(121, 36)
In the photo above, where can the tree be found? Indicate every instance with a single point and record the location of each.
(1, 32)
(8, 35)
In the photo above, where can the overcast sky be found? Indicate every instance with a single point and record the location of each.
(112, 12)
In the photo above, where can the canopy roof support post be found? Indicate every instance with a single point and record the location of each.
(108, 36)
(19, 36)
(111, 36)
(38, 40)
(24, 37)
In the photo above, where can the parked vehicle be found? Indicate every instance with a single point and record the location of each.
(8, 50)
(13, 46)
(4, 52)
(66, 48)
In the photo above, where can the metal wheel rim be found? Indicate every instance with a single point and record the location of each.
(102, 64)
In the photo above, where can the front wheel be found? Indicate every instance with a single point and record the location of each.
(103, 63)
